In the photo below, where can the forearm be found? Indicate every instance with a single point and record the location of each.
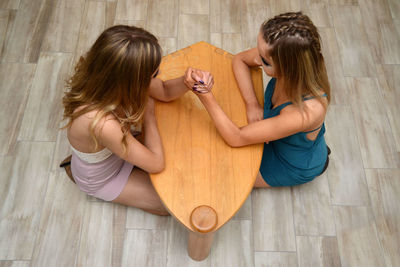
(243, 78)
(152, 141)
(174, 88)
(167, 90)
(229, 131)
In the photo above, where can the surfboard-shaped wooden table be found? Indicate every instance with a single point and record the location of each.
(205, 182)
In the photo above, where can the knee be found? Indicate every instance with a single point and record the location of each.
(260, 182)
(159, 212)
(162, 211)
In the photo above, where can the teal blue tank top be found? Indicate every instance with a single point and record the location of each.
(294, 159)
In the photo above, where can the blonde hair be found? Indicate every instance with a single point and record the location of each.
(296, 50)
(113, 78)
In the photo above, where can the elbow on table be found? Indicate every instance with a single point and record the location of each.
(157, 166)
(166, 97)
(162, 94)
(239, 138)
(236, 141)
(234, 144)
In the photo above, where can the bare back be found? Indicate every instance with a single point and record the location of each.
(79, 133)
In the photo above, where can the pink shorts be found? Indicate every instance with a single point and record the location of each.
(104, 179)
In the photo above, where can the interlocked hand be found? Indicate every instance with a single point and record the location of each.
(199, 81)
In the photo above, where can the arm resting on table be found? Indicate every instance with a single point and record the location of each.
(148, 156)
(167, 91)
(289, 122)
(241, 65)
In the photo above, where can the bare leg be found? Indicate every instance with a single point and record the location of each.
(140, 193)
(260, 182)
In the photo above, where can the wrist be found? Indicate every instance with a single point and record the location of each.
(182, 81)
(205, 96)
(251, 105)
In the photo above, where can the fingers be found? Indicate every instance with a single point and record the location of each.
(197, 75)
(210, 81)
(199, 81)
(202, 89)
(207, 83)
(190, 78)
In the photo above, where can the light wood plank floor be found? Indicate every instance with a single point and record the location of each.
(350, 216)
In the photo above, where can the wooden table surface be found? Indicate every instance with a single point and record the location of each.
(201, 169)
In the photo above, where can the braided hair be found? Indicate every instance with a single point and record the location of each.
(296, 50)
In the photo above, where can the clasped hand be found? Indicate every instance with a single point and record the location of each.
(199, 81)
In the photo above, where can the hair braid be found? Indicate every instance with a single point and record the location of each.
(295, 47)
(292, 25)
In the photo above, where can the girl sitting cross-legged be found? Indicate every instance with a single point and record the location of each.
(291, 125)
(111, 91)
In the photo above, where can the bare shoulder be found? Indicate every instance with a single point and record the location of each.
(312, 116)
(108, 125)
(84, 120)
(79, 133)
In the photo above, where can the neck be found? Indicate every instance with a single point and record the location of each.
(279, 95)
(279, 85)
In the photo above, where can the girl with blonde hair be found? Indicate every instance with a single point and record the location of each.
(291, 124)
(110, 93)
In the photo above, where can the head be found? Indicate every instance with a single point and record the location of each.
(114, 77)
(290, 48)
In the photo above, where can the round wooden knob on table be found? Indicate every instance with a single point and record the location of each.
(204, 220)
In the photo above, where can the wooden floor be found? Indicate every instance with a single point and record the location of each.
(349, 216)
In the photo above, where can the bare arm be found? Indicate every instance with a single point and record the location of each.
(172, 89)
(148, 156)
(167, 90)
(241, 65)
(285, 124)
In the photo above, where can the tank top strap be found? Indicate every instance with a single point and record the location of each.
(311, 97)
(282, 106)
(316, 129)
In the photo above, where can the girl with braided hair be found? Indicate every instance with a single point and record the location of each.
(291, 124)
